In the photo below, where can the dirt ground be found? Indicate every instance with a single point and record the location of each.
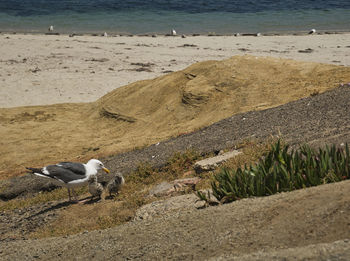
(298, 219)
(310, 224)
(146, 112)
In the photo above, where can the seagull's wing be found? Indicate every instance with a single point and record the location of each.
(66, 172)
(75, 167)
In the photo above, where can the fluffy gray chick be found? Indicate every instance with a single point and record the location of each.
(95, 188)
(115, 184)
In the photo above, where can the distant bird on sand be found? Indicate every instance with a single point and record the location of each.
(173, 32)
(115, 184)
(50, 28)
(70, 174)
(105, 34)
(312, 31)
(95, 188)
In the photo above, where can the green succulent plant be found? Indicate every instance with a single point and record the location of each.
(282, 169)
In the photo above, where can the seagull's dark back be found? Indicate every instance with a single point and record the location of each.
(75, 167)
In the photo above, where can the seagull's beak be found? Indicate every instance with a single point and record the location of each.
(106, 170)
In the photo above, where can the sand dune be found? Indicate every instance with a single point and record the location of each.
(146, 112)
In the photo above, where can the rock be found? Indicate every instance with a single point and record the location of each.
(161, 189)
(212, 163)
(180, 184)
(25, 185)
(166, 207)
(188, 173)
(176, 186)
(308, 50)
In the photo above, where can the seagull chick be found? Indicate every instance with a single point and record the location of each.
(95, 188)
(115, 184)
(70, 174)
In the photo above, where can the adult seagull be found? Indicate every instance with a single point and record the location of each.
(70, 174)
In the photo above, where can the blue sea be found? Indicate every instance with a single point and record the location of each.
(186, 16)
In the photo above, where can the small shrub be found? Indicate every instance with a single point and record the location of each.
(181, 162)
(280, 170)
(144, 173)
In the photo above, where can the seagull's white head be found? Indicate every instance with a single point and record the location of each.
(96, 164)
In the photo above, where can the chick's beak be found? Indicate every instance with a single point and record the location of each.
(106, 170)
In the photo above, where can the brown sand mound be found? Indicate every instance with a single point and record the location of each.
(208, 91)
(145, 112)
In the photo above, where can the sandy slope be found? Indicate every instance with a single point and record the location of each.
(149, 111)
(287, 220)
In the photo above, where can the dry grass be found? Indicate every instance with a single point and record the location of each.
(252, 152)
(40, 198)
(78, 218)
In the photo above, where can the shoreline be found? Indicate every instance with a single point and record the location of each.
(41, 69)
(212, 34)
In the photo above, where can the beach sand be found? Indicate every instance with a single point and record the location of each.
(50, 69)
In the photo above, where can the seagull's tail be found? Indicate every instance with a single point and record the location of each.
(38, 172)
(35, 170)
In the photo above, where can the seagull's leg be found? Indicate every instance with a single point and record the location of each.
(70, 199)
(75, 195)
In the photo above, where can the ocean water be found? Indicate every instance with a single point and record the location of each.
(186, 16)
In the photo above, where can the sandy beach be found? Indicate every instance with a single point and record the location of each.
(50, 69)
